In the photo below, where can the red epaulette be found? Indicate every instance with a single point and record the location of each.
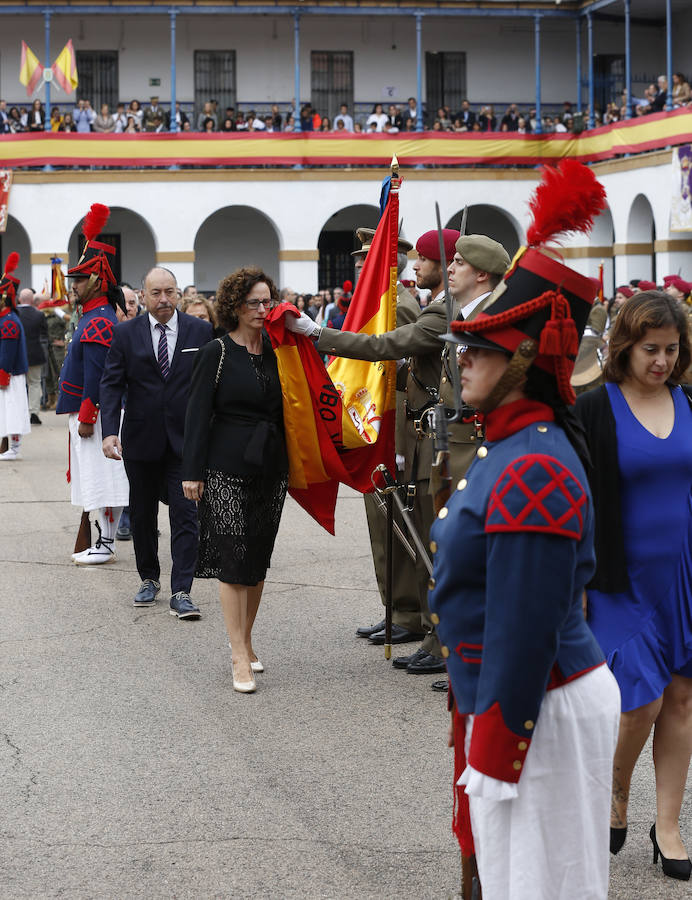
(98, 331)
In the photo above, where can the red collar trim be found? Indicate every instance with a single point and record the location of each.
(512, 417)
(94, 303)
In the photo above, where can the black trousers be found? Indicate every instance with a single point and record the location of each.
(150, 482)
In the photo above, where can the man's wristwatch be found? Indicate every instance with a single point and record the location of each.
(315, 336)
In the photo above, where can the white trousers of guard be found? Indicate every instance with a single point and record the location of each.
(14, 407)
(95, 481)
(552, 842)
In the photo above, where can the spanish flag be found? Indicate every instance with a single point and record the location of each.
(339, 431)
(367, 389)
(65, 68)
(58, 290)
(601, 292)
(30, 70)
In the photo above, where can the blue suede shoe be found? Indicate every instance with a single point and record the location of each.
(183, 607)
(146, 595)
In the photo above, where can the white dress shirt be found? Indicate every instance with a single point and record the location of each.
(171, 327)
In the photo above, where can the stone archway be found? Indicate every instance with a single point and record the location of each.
(641, 234)
(232, 237)
(16, 239)
(493, 221)
(133, 240)
(338, 240)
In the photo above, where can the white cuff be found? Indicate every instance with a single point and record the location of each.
(480, 785)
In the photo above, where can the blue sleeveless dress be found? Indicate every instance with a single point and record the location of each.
(646, 632)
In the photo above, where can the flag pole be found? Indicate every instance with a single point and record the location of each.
(47, 72)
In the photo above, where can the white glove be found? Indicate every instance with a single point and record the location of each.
(400, 462)
(302, 325)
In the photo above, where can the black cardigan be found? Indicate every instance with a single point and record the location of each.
(235, 426)
(596, 414)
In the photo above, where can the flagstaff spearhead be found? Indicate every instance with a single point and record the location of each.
(395, 166)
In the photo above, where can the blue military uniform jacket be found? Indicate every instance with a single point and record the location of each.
(86, 356)
(513, 550)
(13, 358)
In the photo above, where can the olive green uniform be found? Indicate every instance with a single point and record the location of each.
(420, 342)
(405, 602)
(57, 328)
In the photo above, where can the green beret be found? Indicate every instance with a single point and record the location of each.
(483, 253)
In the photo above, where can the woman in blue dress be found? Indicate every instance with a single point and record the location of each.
(639, 429)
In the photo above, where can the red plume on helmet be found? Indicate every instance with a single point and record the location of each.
(8, 283)
(540, 299)
(93, 260)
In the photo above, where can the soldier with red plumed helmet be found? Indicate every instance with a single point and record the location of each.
(98, 484)
(14, 407)
(535, 706)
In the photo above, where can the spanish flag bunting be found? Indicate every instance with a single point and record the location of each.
(65, 68)
(30, 70)
(57, 277)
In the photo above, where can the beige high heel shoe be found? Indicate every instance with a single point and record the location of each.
(243, 687)
(255, 664)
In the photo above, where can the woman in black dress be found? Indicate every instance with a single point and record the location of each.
(234, 458)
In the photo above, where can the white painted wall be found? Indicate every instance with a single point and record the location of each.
(260, 218)
(500, 52)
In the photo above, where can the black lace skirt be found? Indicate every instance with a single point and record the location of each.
(239, 516)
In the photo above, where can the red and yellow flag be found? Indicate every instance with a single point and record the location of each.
(601, 292)
(65, 68)
(338, 431)
(368, 389)
(58, 291)
(30, 70)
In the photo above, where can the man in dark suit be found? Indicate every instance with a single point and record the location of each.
(150, 359)
(36, 334)
(465, 115)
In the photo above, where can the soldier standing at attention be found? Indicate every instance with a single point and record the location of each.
(477, 265)
(406, 620)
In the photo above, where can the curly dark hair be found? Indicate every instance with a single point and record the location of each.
(647, 309)
(234, 288)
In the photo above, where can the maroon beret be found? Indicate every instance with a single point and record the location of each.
(428, 244)
(646, 286)
(685, 287)
(625, 291)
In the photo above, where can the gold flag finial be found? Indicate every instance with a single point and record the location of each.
(395, 166)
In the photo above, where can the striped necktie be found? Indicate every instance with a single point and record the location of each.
(163, 351)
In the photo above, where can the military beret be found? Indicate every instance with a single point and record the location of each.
(483, 253)
(625, 291)
(428, 244)
(365, 236)
(646, 285)
(679, 283)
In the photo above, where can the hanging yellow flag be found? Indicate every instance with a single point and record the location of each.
(65, 68)
(30, 70)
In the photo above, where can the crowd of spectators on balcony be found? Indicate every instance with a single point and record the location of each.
(132, 118)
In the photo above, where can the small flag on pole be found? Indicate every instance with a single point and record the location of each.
(65, 68)
(30, 70)
(601, 292)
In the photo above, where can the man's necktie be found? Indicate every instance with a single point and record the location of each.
(163, 351)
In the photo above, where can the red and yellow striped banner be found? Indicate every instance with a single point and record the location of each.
(651, 132)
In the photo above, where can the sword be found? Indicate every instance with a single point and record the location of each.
(403, 540)
(391, 488)
(449, 305)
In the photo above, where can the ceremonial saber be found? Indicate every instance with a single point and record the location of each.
(403, 540)
(390, 489)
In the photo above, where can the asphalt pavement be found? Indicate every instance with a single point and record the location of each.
(130, 768)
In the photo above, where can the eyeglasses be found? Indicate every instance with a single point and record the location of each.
(254, 304)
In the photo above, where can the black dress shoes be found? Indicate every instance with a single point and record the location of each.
(426, 665)
(403, 662)
(441, 686)
(34, 419)
(366, 630)
(400, 635)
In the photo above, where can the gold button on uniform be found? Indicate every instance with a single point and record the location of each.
(462, 484)
(522, 745)
(516, 765)
(443, 513)
(431, 584)
(444, 379)
(434, 618)
(529, 724)
(542, 428)
(444, 651)
(482, 452)
(433, 546)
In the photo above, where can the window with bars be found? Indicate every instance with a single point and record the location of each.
(331, 81)
(214, 80)
(98, 78)
(445, 78)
